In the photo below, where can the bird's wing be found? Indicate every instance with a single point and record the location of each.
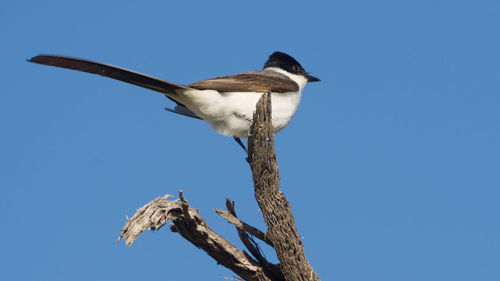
(253, 81)
(110, 71)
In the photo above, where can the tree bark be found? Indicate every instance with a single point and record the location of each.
(275, 208)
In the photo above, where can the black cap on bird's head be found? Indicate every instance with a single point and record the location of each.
(286, 62)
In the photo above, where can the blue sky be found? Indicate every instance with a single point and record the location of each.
(391, 164)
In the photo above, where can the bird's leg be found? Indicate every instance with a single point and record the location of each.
(238, 141)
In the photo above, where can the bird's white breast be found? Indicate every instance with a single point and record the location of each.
(238, 118)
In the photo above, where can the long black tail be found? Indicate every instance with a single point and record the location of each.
(110, 71)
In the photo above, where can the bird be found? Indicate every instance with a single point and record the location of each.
(226, 103)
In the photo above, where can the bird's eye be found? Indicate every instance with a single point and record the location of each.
(296, 68)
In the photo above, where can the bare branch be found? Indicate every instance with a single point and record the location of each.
(241, 225)
(274, 206)
(188, 222)
(270, 269)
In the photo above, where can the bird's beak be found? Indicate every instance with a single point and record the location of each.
(311, 78)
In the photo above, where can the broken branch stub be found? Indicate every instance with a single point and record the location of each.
(275, 208)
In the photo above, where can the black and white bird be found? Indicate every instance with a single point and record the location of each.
(227, 103)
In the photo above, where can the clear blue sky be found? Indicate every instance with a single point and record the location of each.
(391, 165)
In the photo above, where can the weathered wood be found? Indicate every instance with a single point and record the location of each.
(189, 223)
(270, 269)
(275, 208)
(241, 225)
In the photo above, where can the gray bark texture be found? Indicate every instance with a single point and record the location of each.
(281, 234)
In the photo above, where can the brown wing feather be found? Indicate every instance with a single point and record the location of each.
(110, 71)
(248, 82)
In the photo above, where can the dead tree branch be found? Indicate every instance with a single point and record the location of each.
(275, 208)
(281, 234)
(241, 225)
(270, 269)
(188, 222)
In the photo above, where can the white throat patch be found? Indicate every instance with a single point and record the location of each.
(299, 79)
